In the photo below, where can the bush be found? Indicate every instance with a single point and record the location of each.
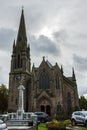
(57, 125)
(67, 122)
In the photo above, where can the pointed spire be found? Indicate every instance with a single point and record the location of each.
(14, 44)
(22, 30)
(61, 69)
(73, 74)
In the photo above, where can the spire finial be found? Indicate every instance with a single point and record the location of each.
(73, 74)
(43, 58)
(22, 9)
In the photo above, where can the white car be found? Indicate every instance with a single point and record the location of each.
(79, 117)
(3, 125)
(42, 116)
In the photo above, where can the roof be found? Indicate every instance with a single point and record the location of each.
(49, 64)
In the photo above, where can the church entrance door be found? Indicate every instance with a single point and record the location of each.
(46, 109)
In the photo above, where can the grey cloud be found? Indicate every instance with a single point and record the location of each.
(80, 62)
(0, 68)
(41, 13)
(6, 38)
(44, 45)
(60, 36)
(83, 90)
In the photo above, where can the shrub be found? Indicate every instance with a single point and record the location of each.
(57, 125)
(67, 122)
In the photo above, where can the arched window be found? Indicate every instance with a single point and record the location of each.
(59, 109)
(69, 100)
(19, 61)
(69, 104)
(44, 81)
(15, 63)
(57, 82)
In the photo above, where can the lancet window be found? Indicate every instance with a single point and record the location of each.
(44, 81)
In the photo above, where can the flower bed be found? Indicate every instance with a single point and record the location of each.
(56, 125)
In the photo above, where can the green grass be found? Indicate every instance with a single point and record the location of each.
(82, 128)
(42, 126)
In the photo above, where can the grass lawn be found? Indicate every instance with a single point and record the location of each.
(82, 128)
(42, 126)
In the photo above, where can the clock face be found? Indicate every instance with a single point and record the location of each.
(17, 77)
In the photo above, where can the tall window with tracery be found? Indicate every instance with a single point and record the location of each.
(44, 81)
(69, 100)
(59, 108)
(57, 82)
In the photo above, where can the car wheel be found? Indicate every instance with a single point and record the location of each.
(85, 124)
(73, 122)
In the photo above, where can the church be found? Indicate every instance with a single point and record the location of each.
(46, 87)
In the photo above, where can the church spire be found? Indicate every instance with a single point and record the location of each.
(73, 75)
(22, 38)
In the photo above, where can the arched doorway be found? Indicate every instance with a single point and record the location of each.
(46, 109)
(44, 104)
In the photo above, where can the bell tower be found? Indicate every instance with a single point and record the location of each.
(20, 67)
(21, 50)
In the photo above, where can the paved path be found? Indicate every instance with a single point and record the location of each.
(18, 127)
(21, 128)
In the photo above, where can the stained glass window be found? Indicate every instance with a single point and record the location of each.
(57, 82)
(44, 81)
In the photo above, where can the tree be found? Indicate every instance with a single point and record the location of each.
(83, 103)
(3, 98)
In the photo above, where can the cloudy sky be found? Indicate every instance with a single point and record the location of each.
(56, 29)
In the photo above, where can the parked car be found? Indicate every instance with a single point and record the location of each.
(4, 117)
(33, 118)
(42, 116)
(79, 117)
(3, 125)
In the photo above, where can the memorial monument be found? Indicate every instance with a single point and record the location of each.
(21, 118)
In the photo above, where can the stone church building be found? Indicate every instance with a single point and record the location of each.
(46, 87)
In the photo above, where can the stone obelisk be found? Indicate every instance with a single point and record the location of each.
(20, 110)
